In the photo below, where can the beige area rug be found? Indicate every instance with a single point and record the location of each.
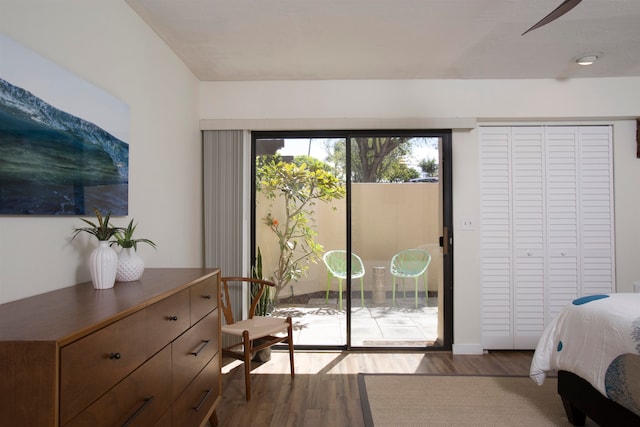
(459, 400)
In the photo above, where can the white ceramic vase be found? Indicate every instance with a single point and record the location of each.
(103, 264)
(130, 265)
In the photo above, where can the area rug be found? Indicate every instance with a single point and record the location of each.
(459, 400)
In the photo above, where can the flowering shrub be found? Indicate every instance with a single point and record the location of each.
(297, 188)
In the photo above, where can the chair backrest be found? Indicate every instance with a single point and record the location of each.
(336, 262)
(225, 300)
(410, 262)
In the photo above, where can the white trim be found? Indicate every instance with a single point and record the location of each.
(340, 123)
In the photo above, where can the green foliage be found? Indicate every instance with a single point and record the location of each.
(101, 231)
(429, 167)
(399, 172)
(371, 157)
(378, 159)
(265, 305)
(124, 237)
(297, 187)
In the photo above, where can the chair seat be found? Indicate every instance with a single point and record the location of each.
(257, 327)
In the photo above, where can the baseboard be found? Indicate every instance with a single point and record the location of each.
(466, 349)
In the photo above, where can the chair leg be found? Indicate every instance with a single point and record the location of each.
(417, 292)
(362, 292)
(326, 297)
(404, 289)
(426, 288)
(340, 294)
(247, 364)
(290, 333)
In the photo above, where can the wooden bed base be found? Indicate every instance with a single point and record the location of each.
(581, 400)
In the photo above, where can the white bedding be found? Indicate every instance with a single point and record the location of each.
(597, 338)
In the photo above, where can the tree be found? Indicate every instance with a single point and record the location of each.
(373, 156)
(429, 167)
(374, 159)
(399, 172)
(297, 187)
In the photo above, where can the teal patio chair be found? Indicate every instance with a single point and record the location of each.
(410, 263)
(336, 262)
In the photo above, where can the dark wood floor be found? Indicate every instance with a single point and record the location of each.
(325, 392)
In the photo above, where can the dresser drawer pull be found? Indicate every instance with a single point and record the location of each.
(172, 318)
(204, 399)
(135, 415)
(202, 346)
(114, 356)
(206, 296)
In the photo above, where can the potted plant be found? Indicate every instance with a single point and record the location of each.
(130, 264)
(103, 261)
(265, 304)
(264, 307)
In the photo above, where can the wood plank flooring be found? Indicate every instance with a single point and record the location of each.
(325, 392)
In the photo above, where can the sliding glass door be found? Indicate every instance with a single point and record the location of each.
(348, 225)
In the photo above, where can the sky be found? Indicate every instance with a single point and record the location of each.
(300, 146)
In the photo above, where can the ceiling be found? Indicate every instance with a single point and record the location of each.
(240, 40)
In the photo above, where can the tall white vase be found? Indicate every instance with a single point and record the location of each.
(130, 265)
(103, 265)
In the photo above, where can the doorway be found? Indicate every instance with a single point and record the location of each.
(393, 204)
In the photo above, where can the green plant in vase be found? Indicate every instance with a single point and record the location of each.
(124, 237)
(103, 261)
(102, 231)
(130, 264)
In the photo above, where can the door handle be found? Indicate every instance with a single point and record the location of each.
(444, 240)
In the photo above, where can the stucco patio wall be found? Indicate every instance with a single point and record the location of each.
(386, 218)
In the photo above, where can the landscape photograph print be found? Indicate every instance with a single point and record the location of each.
(63, 148)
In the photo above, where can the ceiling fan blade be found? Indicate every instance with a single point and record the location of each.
(564, 7)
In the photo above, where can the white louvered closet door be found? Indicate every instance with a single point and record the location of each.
(562, 218)
(597, 256)
(546, 226)
(496, 257)
(528, 234)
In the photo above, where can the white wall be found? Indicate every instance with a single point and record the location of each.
(107, 44)
(614, 100)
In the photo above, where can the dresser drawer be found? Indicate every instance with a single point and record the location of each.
(166, 320)
(193, 405)
(165, 421)
(204, 298)
(139, 400)
(95, 363)
(193, 350)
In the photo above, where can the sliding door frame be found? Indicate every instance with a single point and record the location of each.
(446, 241)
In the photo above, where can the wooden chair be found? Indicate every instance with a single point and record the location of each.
(254, 328)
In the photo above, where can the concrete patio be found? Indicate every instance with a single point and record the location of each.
(375, 325)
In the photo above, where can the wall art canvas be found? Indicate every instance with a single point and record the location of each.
(63, 141)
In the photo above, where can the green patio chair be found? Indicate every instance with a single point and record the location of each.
(410, 263)
(336, 262)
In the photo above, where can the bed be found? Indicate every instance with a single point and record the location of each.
(594, 345)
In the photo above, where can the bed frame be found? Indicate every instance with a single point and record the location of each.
(581, 400)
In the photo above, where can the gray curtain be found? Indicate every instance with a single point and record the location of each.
(225, 191)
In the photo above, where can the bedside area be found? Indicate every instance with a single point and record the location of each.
(144, 353)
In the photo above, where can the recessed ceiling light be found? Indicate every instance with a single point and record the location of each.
(587, 59)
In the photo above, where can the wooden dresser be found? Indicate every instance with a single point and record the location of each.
(144, 353)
